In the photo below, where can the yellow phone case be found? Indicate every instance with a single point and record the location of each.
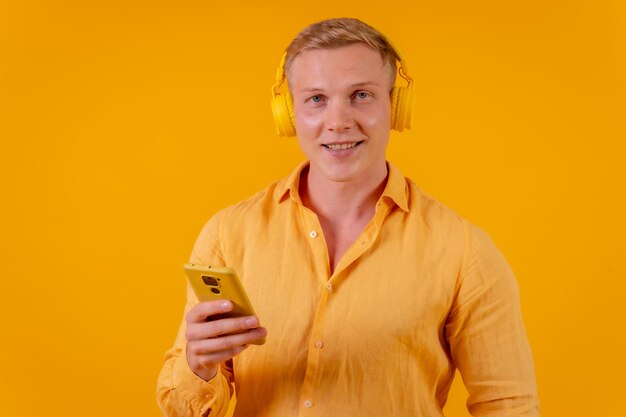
(212, 283)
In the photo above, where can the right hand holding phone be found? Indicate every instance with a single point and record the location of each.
(209, 343)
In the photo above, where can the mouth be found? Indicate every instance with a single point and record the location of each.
(341, 146)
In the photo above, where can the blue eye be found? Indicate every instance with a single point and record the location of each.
(316, 99)
(362, 94)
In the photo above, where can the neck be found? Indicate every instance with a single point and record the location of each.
(343, 201)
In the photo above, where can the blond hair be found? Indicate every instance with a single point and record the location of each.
(335, 33)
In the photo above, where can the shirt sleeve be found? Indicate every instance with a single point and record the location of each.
(486, 334)
(180, 392)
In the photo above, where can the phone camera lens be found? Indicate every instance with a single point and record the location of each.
(210, 281)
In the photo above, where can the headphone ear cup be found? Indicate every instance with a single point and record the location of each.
(401, 108)
(282, 109)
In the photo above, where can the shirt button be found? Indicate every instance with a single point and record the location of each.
(313, 234)
(329, 286)
(308, 403)
(319, 344)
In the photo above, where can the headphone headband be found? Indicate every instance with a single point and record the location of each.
(280, 75)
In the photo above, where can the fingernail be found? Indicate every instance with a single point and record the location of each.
(252, 322)
(225, 306)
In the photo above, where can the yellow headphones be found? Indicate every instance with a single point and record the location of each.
(401, 101)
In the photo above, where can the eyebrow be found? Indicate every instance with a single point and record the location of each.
(355, 85)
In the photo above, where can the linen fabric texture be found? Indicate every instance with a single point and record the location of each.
(420, 293)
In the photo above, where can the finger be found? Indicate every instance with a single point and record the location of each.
(217, 358)
(226, 343)
(216, 328)
(201, 311)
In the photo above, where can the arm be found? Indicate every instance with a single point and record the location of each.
(486, 334)
(180, 392)
(195, 379)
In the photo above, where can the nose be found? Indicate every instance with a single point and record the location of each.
(339, 116)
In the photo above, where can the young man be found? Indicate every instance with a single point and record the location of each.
(371, 292)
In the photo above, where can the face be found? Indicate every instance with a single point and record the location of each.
(342, 112)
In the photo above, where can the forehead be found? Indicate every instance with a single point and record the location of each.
(322, 68)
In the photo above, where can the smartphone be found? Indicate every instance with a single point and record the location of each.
(212, 283)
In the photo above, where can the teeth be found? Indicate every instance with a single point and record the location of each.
(341, 146)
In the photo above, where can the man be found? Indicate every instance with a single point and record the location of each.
(371, 292)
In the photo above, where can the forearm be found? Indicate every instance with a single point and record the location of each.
(181, 393)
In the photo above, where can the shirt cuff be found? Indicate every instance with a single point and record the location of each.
(200, 394)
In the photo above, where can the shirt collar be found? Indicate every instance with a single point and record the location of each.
(289, 185)
(396, 190)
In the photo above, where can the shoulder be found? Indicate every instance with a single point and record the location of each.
(256, 206)
(482, 268)
(445, 228)
(231, 222)
(435, 215)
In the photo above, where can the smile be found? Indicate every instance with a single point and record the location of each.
(341, 146)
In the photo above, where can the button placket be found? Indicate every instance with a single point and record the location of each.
(312, 232)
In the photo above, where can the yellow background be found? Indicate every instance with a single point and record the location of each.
(125, 125)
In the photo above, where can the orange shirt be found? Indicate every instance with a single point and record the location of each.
(420, 292)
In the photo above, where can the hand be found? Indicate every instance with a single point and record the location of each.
(210, 343)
